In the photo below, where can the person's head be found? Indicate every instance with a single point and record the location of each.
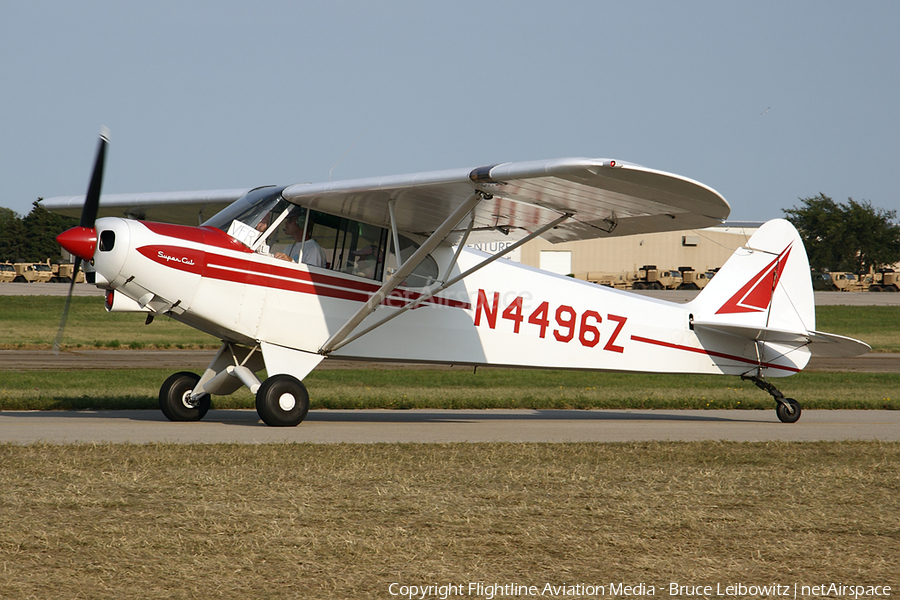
(293, 224)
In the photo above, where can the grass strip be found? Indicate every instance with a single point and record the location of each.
(347, 521)
(463, 389)
(33, 321)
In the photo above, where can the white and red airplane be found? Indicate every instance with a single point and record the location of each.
(378, 269)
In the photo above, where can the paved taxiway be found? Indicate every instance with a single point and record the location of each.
(441, 426)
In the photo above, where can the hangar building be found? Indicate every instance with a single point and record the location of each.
(702, 249)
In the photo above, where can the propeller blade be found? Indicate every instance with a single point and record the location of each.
(81, 241)
(92, 199)
(65, 313)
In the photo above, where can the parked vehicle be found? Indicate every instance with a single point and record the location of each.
(692, 280)
(847, 282)
(885, 280)
(7, 273)
(651, 278)
(62, 273)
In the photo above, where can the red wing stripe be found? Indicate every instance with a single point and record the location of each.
(712, 353)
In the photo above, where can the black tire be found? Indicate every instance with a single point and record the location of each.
(789, 413)
(282, 401)
(637, 286)
(875, 288)
(20, 279)
(175, 398)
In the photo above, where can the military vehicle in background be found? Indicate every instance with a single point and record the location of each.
(25, 273)
(43, 272)
(7, 272)
(40, 272)
(651, 278)
(619, 281)
(62, 273)
(692, 280)
(821, 281)
(848, 282)
(885, 280)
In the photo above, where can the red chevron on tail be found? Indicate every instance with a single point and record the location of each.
(756, 295)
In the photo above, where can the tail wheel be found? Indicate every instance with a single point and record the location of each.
(788, 411)
(282, 401)
(175, 398)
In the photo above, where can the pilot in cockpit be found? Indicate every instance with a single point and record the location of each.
(303, 249)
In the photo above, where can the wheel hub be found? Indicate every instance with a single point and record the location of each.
(287, 402)
(188, 401)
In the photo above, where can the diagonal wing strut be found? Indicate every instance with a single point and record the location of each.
(438, 289)
(439, 235)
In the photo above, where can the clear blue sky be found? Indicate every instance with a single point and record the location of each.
(766, 102)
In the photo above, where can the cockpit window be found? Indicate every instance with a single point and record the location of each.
(270, 225)
(423, 275)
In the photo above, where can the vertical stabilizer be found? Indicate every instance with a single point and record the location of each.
(765, 285)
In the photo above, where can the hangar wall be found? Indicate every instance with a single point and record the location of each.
(702, 249)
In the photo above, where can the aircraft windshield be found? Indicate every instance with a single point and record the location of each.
(275, 227)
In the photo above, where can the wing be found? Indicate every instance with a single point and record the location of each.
(183, 208)
(605, 198)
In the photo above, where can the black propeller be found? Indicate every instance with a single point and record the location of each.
(81, 241)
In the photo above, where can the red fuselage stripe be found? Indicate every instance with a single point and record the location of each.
(712, 353)
(249, 272)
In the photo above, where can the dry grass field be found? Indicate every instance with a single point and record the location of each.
(346, 521)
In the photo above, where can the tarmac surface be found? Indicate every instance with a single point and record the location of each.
(446, 426)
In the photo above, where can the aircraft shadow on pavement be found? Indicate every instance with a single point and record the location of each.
(465, 416)
(249, 418)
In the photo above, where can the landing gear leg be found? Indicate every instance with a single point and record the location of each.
(787, 409)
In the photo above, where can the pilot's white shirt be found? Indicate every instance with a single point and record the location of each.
(313, 255)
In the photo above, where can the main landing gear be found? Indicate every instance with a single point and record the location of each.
(787, 409)
(281, 400)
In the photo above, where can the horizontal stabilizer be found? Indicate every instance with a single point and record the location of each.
(819, 343)
(762, 334)
(835, 346)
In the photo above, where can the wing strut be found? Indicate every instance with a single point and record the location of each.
(439, 235)
(437, 289)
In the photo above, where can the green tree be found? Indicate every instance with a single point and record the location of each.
(41, 229)
(846, 237)
(12, 236)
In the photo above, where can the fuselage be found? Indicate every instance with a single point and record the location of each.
(503, 314)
